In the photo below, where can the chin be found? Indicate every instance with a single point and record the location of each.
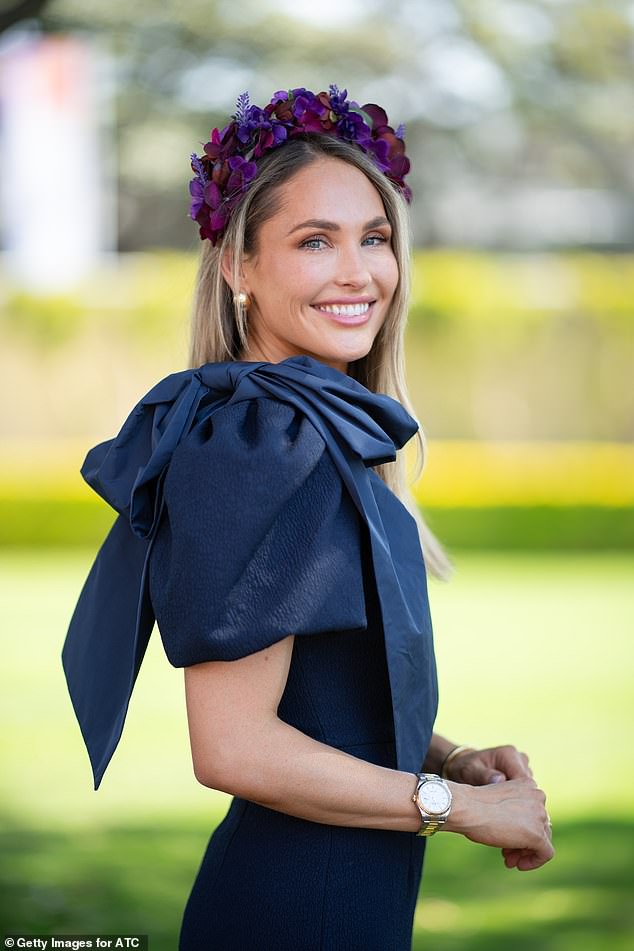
(348, 351)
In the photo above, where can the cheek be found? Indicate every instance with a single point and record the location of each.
(290, 277)
(387, 274)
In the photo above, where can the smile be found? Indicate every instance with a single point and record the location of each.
(344, 310)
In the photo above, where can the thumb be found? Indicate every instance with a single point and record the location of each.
(496, 777)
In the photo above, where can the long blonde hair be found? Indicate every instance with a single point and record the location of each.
(219, 327)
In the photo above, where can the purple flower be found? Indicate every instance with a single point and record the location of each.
(213, 195)
(197, 166)
(339, 102)
(242, 106)
(352, 127)
(198, 199)
(253, 119)
(242, 172)
(229, 163)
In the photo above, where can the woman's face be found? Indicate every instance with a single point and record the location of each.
(324, 272)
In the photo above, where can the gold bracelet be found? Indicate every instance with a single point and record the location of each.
(451, 755)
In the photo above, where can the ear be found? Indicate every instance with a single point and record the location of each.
(226, 267)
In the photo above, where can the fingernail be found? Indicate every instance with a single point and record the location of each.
(497, 778)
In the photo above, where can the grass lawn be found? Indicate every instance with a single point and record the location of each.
(534, 650)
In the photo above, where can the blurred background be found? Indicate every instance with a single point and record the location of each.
(518, 118)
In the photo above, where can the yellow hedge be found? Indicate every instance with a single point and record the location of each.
(463, 473)
(457, 473)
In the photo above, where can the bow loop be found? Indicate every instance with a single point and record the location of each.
(370, 425)
(128, 471)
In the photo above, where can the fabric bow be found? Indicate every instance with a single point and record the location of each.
(127, 471)
(113, 619)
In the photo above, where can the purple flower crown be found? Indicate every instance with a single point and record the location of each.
(228, 165)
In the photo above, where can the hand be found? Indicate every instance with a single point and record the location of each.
(508, 815)
(493, 765)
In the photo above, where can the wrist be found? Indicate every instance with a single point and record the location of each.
(433, 799)
(454, 753)
(438, 750)
(460, 817)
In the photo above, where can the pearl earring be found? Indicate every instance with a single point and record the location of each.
(242, 300)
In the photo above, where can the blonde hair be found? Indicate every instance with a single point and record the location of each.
(219, 326)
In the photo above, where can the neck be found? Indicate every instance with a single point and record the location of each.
(253, 352)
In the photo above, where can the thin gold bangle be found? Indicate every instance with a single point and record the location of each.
(451, 755)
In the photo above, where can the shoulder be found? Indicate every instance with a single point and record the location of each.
(257, 444)
(259, 537)
(251, 463)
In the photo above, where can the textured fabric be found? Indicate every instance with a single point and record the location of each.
(273, 882)
(191, 423)
(263, 542)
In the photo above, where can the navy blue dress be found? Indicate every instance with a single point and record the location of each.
(302, 565)
(255, 514)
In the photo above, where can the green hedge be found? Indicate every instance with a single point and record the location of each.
(47, 521)
(535, 528)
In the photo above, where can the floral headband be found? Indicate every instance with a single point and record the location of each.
(228, 165)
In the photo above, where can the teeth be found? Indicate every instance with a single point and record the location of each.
(345, 310)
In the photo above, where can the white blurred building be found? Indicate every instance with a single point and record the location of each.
(57, 198)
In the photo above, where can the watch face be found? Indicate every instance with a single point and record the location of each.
(434, 797)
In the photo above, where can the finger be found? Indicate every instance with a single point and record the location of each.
(514, 763)
(528, 861)
(511, 857)
(478, 769)
(549, 827)
(532, 859)
(482, 774)
(518, 763)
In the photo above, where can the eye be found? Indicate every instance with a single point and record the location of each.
(376, 239)
(313, 244)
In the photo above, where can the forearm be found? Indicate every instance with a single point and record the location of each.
(279, 767)
(439, 748)
(283, 769)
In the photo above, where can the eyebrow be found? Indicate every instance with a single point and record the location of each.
(324, 225)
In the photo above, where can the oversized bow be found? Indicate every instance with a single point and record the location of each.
(113, 619)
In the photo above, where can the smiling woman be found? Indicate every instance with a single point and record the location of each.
(264, 522)
(323, 274)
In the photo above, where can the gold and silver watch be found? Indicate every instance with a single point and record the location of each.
(433, 798)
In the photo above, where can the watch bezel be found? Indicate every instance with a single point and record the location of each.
(424, 807)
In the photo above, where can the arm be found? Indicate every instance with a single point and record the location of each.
(477, 767)
(250, 752)
(240, 746)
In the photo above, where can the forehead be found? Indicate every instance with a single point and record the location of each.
(329, 188)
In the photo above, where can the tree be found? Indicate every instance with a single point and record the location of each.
(499, 96)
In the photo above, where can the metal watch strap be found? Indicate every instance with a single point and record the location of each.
(431, 824)
(428, 827)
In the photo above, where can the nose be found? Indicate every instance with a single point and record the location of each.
(352, 267)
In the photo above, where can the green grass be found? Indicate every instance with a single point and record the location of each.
(535, 650)
(580, 901)
(134, 877)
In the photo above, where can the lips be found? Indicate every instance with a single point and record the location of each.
(349, 314)
(345, 310)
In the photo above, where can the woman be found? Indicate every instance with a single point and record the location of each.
(263, 521)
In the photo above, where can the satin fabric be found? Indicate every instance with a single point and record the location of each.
(113, 619)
